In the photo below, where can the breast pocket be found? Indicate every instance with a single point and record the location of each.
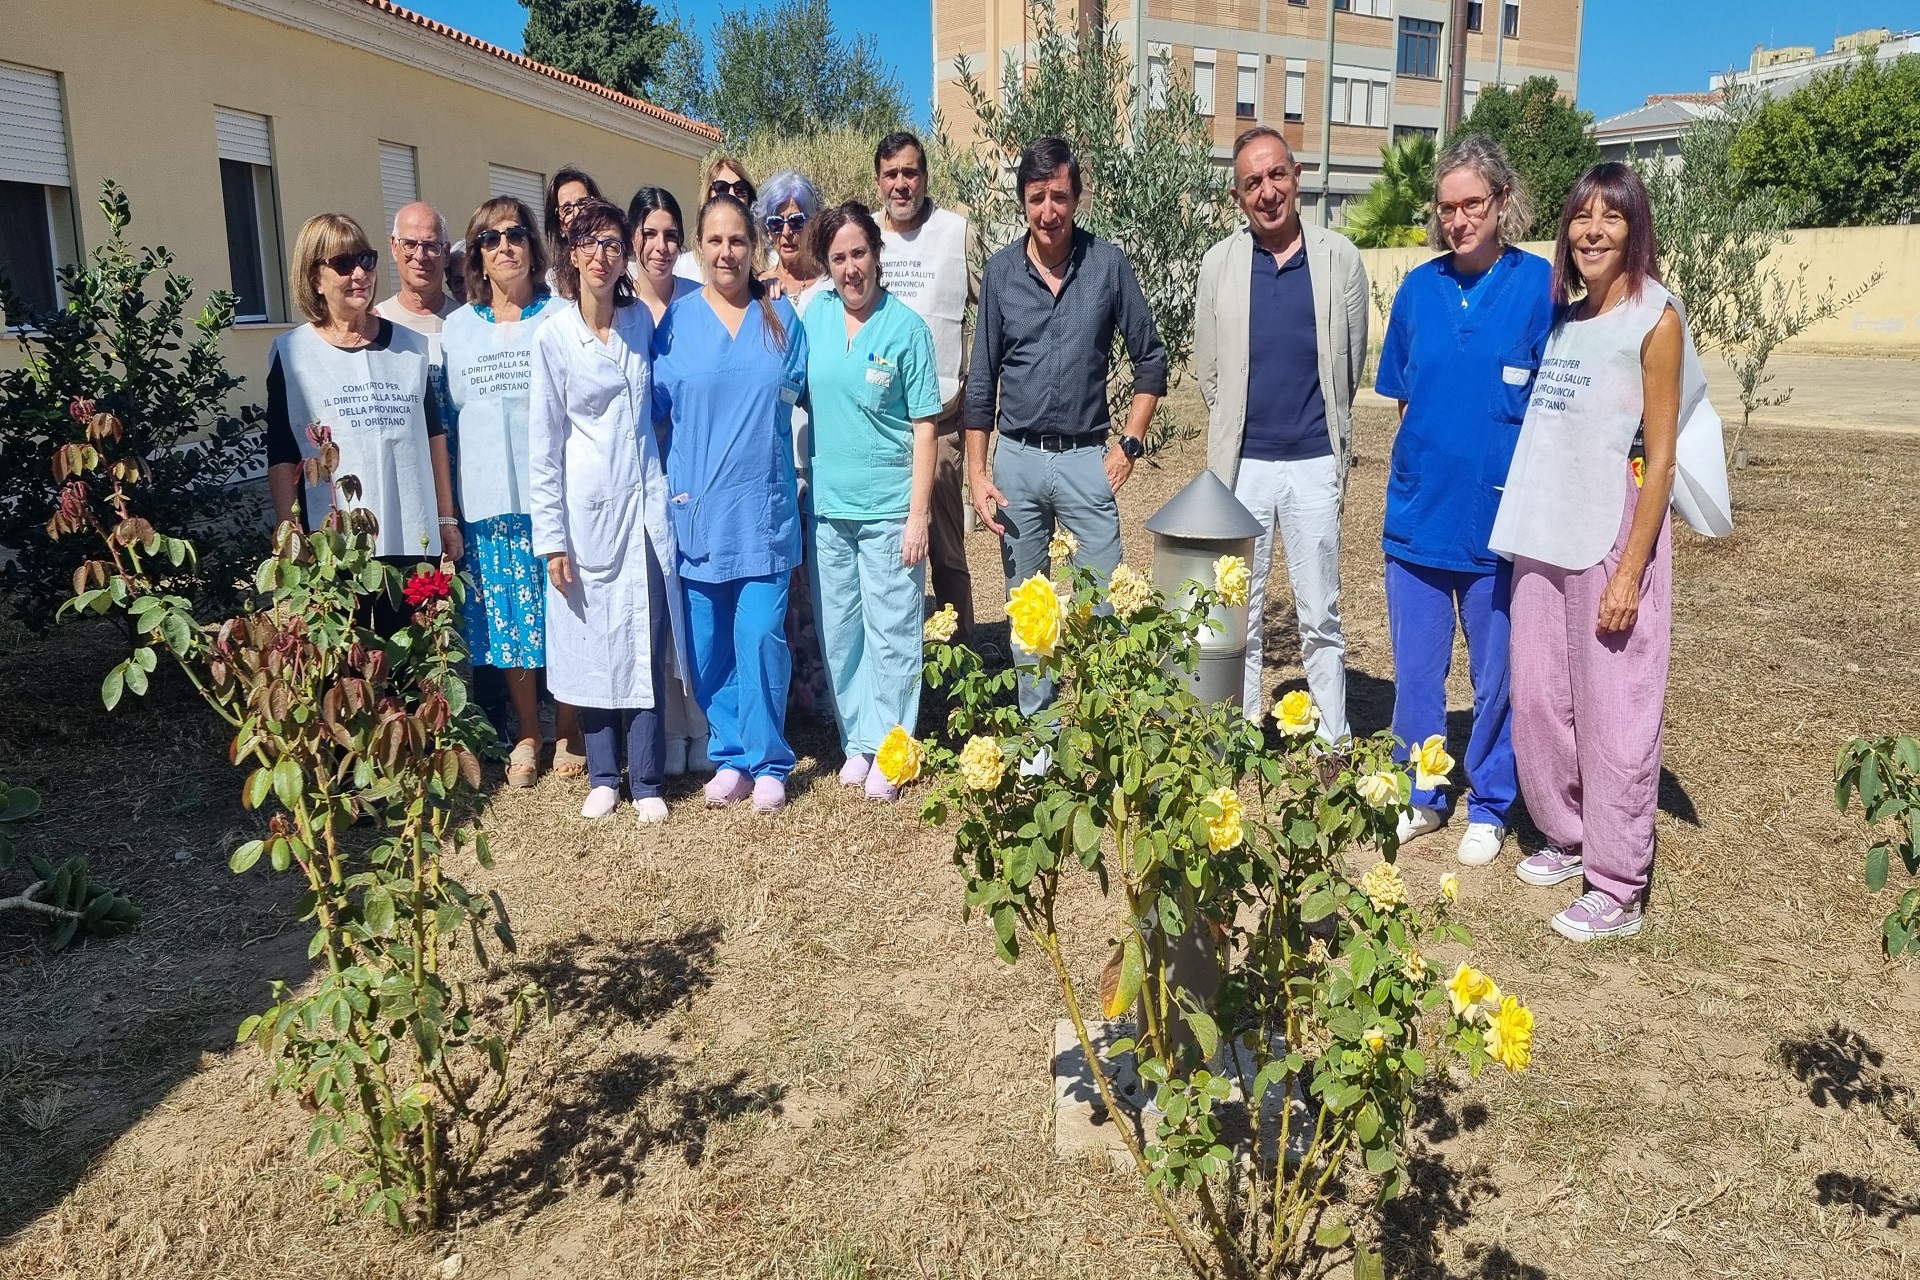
(1517, 370)
(876, 389)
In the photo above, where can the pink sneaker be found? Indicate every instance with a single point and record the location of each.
(878, 788)
(769, 795)
(1550, 866)
(855, 770)
(729, 786)
(1595, 915)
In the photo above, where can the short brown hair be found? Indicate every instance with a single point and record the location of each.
(323, 236)
(479, 290)
(836, 219)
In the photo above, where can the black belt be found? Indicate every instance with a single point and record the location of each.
(1057, 442)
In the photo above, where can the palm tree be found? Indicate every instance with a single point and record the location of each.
(1393, 211)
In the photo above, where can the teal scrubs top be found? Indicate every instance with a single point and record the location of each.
(1462, 352)
(725, 405)
(867, 393)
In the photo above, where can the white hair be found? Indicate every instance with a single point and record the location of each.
(439, 223)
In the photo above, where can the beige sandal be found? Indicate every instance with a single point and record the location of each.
(568, 764)
(523, 765)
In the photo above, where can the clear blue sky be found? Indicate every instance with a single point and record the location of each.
(1631, 48)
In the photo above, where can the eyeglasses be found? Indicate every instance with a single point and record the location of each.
(344, 263)
(492, 236)
(575, 206)
(601, 246)
(794, 222)
(1475, 208)
(738, 190)
(420, 248)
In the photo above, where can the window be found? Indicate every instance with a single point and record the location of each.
(1475, 14)
(399, 187)
(36, 207)
(1469, 94)
(1157, 77)
(1510, 21)
(1203, 81)
(1370, 8)
(1300, 3)
(520, 183)
(253, 223)
(1404, 131)
(1360, 96)
(1420, 48)
(1246, 86)
(1296, 90)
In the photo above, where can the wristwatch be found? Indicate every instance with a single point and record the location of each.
(1132, 446)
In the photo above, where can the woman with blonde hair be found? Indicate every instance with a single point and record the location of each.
(369, 382)
(1462, 348)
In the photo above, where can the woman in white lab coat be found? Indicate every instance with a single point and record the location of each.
(599, 498)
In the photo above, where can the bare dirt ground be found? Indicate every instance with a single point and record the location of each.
(779, 1053)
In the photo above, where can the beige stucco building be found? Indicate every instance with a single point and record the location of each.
(1267, 62)
(229, 122)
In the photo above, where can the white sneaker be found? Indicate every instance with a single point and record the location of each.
(649, 810)
(1417, 821)
(600, 802)
(1481, 844)
(676, 761)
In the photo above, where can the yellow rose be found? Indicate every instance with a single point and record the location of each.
(1380, 790)
(1431, 763)
(1296, 713)
(1128, 592)
(900, 757)
(1467, 988)
(1233, 580)
(1375, 1038)
(1384, 887)
(1063, 545)
(1416, 967)
(982, 763)
(1450, 887)
(942, 626)
(1225, 831)
(1037, 616)
(1510, 1035)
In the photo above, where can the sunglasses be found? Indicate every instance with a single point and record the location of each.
(601, 246)
(794, 222)
(344, 263)
(738, 190)
(492, 236)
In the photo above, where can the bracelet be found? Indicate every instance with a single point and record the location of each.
(452, 520)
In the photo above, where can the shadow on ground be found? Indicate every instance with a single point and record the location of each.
(620, 1091)
(1842, 1069)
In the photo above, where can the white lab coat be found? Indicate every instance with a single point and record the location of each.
(599, 493)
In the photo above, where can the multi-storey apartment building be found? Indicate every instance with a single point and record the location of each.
(1385, 69)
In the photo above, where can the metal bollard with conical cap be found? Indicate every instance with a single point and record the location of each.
(1199, 524)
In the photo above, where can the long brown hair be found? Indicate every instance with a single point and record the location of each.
(599, 215)
(777, 332)
(1620, 189)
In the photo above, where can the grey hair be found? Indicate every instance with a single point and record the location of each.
(788, 184)
(1485, 157)
(439, 223)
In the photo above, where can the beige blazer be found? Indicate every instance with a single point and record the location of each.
(1341, 308)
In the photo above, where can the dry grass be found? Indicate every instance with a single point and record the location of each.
(780, 1053)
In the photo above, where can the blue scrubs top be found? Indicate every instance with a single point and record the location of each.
(1462, 352)
(727, 405)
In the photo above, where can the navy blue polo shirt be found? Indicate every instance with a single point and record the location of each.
(1286, 414)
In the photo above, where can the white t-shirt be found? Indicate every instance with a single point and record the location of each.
(926, 268)
(426, 326)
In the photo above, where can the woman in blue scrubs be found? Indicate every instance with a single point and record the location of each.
(1462, 348)
(729, 365)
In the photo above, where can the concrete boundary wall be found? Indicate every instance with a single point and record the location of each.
(1885, 322)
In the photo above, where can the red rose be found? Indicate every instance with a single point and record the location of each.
(428, 584)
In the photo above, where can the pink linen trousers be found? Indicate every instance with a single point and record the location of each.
(1587, 709)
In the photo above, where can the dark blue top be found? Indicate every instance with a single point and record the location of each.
(1286, 414)
(1462, 352)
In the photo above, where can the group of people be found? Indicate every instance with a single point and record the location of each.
(687, 480)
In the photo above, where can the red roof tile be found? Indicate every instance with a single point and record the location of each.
(694, 127)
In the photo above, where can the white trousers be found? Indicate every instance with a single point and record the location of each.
(1302, 501)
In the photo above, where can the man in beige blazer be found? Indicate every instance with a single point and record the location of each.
(1280, 337)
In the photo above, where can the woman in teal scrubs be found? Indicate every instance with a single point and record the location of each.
(729, 365)
(875, 389)
(1461, 351)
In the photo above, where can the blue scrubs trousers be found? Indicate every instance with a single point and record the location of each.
(1421, 607)
(741, 669)
(868, 608)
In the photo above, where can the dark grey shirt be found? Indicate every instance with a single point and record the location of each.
(1049, 355)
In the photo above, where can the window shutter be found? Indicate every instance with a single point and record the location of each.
(33, 135)
(520, 183)
(399, 181)
(243, 136)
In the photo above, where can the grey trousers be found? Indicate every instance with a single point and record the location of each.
(1045, 490)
